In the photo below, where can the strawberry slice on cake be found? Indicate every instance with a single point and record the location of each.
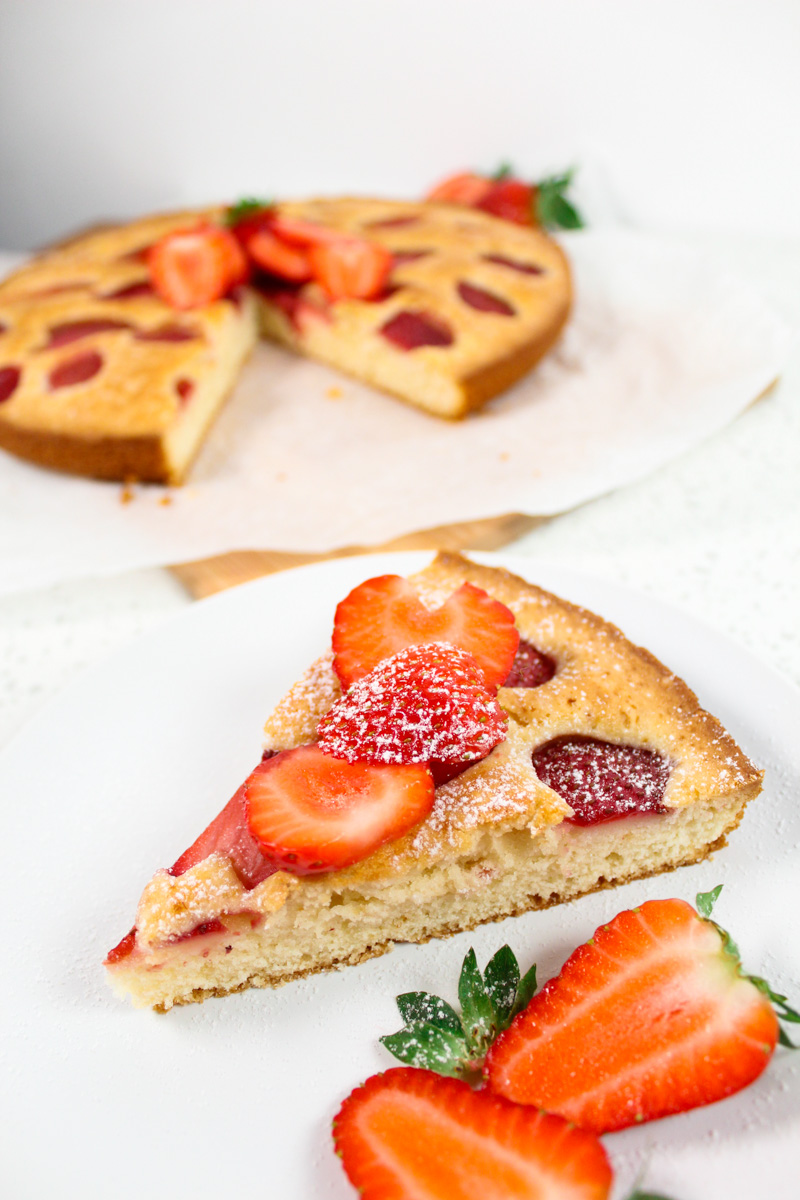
(472, 747)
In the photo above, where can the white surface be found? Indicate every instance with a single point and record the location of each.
(119, 774)
(113, 109)
(662, 350)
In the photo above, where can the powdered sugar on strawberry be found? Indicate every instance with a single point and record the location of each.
(425, 702)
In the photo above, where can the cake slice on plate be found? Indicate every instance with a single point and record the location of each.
(589, 766)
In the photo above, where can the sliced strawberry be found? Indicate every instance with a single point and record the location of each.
(465, 188)
(312, 813)
(278, 257)
(511, 199)
(193, 267)
(411, 1135)
(652, 1016)
(351, 268)
(229, 834)
(426, 702)
(299, 232)
(384, 615)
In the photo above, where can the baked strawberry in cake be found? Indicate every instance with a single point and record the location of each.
(440, 307)
(472, 747)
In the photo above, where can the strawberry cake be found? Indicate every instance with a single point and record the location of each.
(471, 747)
(118, 349)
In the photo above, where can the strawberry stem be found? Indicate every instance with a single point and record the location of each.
(436, 1037)
(704, 902)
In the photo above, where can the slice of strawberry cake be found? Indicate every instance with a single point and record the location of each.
(471, 748)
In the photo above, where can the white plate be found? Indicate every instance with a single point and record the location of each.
(235, 1097)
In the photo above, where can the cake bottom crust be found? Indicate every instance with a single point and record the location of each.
(531, 904)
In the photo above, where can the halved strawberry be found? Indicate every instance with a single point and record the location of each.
(278, 257)
(511, 199)
(652, 1016)
(193, 267)
(384, 615)
(312, 813)
(229, 834)
(466, 188)
(412, 1135)
(300, 232)
(351, 268)
(426, 702)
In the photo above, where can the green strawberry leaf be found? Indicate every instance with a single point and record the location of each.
(504, 171)
(478, 1014)
(417, 1008)
(434, 1036)
(429, 1046)
(639, 1195)
(783, 1010)
(502, 981)
(553, 209)
(525, 991)
(243, 209)
(785, 1040)
(705, 901)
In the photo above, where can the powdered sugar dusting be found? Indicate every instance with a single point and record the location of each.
(472, 801)
(425, 702)
(294, 720)
(601, 781)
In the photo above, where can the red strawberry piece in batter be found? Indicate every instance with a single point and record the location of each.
(603, 781)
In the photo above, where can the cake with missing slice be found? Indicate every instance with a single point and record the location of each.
(118, 349)
(473, 747)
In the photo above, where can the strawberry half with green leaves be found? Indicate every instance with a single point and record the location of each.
(385, 615)
(411, 1135)
(434, 1035)
(425, 703)
(310, 812)
(513, 199)
(652, 1016)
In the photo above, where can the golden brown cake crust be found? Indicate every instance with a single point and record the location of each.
(162, 374)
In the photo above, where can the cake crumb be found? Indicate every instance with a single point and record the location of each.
(165, 501)
(127, 494)
(334, 393)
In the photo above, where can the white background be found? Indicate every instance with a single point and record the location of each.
(683, 113)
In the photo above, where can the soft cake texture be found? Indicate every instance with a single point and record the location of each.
(497, 842)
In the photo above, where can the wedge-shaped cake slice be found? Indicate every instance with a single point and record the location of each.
(610, 771)
(98, 376)
(472, 303)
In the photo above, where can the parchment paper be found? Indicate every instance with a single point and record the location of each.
(663, 349)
